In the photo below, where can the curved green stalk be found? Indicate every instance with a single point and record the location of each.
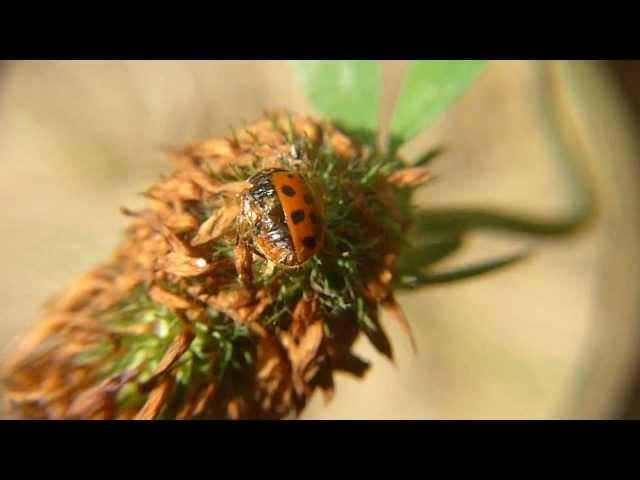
(453, 223)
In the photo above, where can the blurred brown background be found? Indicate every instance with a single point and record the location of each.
(553, 337)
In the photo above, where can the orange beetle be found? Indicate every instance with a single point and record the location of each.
(283, 217)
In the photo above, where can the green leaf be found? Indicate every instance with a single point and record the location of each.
(347, 91)
(430, 87)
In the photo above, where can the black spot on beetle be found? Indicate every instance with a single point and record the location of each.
(309, 242)
(297, 216)
(289, 175)
(288, 191)
(308, 199)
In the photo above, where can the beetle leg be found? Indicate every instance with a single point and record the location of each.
(243, 262)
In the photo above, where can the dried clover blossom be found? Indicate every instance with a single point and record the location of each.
(185, 321)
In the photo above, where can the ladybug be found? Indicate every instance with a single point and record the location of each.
(282, 216)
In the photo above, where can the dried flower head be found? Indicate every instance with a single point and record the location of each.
(187, 321)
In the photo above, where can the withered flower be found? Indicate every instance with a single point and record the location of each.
(187, 321)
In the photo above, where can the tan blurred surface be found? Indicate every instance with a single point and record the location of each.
(552, 337)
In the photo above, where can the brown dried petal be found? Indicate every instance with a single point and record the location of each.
(265, 152)
(268, 367)
(302, 316)
(324, 381)
(171, 300)
(269, 138)
(24, 389)
(235, 408)
(159, 207)
(180, 159)
(258, 309)
(174, 241)
(378, 337)
(100, 398)
(203, 180)
(308, 129)
(231, 187)
(181, 222)
(303, 127)
(392, 307)
(219, 221)
(202, 401)
(196, 314)
(409, 177)
(126, 282)
(273, 371)
(177, 348)
(344, 147)
(240, 304)
(230, 301)
(376, 290)
(27, 345)
(302, 354)
(156, 400)
(178, 189)
(77, 293)
(248, 137)
(122, 286)
(310, 343)
(217, 147)
(184, 266)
